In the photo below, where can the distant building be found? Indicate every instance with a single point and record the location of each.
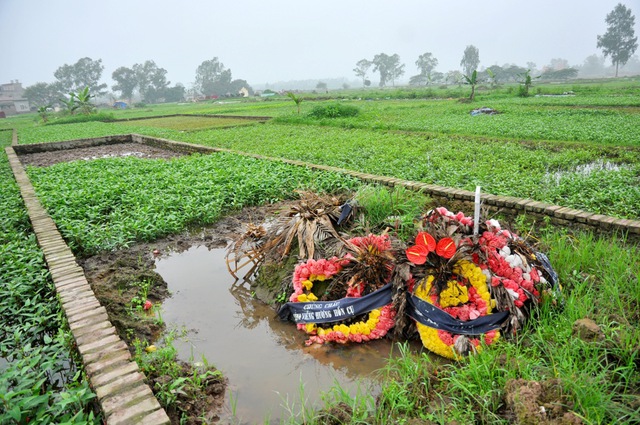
(244, 92)
(12, 99)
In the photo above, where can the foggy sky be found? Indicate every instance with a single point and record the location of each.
(279, 40)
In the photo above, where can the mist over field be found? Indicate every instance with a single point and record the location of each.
(269, 42)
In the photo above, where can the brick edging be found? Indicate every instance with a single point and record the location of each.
(122, 393)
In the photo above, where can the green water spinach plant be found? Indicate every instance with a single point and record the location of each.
(109, 203)
(40, 380)
(501, 167)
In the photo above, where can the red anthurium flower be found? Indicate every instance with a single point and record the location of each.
(426, 240)
(417, 254)
(446, 248)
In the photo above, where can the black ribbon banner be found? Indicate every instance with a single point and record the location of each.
(333, 311)
(430, 315)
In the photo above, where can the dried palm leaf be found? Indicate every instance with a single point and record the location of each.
(308, 225)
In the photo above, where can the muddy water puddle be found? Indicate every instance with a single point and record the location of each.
(265, 360)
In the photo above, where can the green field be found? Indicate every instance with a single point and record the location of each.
(580, 151)
(190, 123)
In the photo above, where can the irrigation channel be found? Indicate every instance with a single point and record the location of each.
(266, 361)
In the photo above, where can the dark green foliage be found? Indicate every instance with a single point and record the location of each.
(111, 203)
(334, 110)
(100, 116)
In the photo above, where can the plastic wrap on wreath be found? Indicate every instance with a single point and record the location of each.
(349, 298)
(468, 278)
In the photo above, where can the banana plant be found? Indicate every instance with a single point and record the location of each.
(83, 101)
(472, 81)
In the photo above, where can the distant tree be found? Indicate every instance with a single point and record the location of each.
(437, 77)
(237, 85)
(212, 78)
(619, 42)
(126, 81)
(418, 80)
(454, 77)
(174, 94)
(506, 73)
(426, 63)
(345, 86)
(557, 64)
(389, 67)
(321, 86)
(42, 94)
(470, 60)
(361, 69)
(152, 81)
(84, 73)
(532, 66)
(560, 74)
(593, 66)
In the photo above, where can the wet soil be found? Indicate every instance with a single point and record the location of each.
(45, 159)
(124, 280)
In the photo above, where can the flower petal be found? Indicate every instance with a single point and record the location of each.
(446, 248)
(417, 254)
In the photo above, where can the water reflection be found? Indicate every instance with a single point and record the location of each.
(265, 360)
(587, 169)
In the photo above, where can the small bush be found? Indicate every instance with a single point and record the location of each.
(334, 110)
(70, 119)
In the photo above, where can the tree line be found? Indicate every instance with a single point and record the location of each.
(619, 43)
(146, 79)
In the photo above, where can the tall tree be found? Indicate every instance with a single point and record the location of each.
(470, 60)
(426, 63)
(126, 81)
(389, 67)
(619, 41)
(361, 69)
(212, 78)
(84, 73)
(152, 80)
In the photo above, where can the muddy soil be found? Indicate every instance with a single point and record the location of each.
(45, 159)
(124, 280)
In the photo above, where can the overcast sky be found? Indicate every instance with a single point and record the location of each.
(279, 40)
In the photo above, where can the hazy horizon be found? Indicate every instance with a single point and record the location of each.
(269, 42)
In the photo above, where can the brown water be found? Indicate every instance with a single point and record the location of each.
(265, 360)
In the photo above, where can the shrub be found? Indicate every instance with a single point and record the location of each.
(334, 110)
(70, 119)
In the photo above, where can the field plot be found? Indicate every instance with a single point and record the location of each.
(579, 151)
(193, 123)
